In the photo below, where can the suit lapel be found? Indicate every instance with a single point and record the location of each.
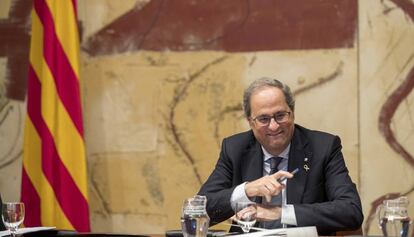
(252, 163)
(298, 157)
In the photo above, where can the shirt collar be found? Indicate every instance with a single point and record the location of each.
(284, 154)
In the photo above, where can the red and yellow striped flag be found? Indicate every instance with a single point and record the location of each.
(54, 180)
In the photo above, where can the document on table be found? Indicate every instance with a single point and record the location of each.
(309, 231)
(26, 230)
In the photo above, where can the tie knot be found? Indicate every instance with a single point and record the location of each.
(274, 163)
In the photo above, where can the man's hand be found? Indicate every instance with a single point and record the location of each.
(268, 212)
(267, 186)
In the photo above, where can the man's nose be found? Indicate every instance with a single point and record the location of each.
(273, 124)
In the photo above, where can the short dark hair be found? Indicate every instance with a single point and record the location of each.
(266, 82)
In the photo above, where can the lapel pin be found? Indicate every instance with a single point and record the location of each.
(306, 167)
(306, 159)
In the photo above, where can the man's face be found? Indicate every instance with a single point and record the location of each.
(265, 102)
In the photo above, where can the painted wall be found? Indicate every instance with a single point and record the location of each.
(162, 86)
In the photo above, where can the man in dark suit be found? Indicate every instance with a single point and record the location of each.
(321, 194)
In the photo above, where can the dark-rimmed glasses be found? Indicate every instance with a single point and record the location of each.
(279, 117)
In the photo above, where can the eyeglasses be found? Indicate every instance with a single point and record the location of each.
(279, 117)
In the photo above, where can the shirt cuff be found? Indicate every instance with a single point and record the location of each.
(238, 195)
(288, 215)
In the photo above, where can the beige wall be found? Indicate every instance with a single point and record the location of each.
(154, 120)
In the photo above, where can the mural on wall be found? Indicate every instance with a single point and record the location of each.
(14, 51)
(194, 58)
(231, 26)
(14, 46)
(386, 117)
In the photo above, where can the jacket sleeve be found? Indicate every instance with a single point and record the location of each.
(342, 208)
(218, 188)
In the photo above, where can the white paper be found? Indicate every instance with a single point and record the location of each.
(270, 232)
(309, 231)
(26, 230)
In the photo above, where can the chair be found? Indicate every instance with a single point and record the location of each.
(2, 227)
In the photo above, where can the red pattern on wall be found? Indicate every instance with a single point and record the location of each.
(14, 44)
(231, 25)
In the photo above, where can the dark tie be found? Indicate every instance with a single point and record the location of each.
(274, 163)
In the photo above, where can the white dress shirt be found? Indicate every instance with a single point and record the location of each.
(288, 211)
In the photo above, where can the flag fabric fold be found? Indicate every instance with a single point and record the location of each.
(54, 177)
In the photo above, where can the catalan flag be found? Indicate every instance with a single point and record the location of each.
(54, 180)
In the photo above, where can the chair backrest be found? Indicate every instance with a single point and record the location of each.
(2, 227)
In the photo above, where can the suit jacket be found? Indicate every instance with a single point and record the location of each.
(323, 196)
